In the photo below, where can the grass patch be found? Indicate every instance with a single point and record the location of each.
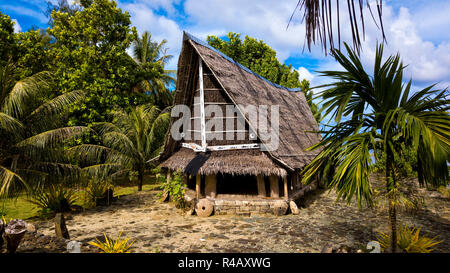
(20, 208)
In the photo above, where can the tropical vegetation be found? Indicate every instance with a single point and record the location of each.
(379, 115)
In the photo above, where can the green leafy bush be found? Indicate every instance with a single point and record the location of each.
(405, 162)
(55, 198)
(100, 192)
(176, 189)
(409, 240)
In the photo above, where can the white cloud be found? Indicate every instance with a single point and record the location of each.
(37, 14)
(428, 61)
(17, 27)
(161, 27)
(304, 74)
(263, 19)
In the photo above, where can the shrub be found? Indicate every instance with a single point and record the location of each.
(409, 240)
(113, 246)
(100, 192)
(55, 198)
(444, 191)
(176, 189)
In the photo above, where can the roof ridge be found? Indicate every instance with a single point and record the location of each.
(188, 36)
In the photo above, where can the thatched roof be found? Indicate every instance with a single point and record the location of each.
(233, 162)
(244, 87)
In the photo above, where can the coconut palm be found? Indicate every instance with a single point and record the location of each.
(323, 16)
(374, 115)
(31, 131)
(129, 142)
(146, 54)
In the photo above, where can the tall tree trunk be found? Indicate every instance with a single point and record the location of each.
(390, 186)
(140, 180)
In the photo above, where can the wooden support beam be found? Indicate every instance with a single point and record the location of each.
(202, 104)
(198, 180)
(211, 185)
(274, 186)
(286, 193)
(261, 185)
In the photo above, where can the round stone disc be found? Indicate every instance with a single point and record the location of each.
(204, 208)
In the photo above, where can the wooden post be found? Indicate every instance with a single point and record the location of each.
(261, 185)
(198, 180)
(274, 187)
(169, 176)
(294, 180)
(211, 185)
(202, 104)
(285, 188)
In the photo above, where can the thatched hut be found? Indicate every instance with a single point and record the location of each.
(240, 170)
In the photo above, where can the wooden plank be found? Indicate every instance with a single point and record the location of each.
(234, 147)
(286, 193)
(198, 148)
(198, 180)
(274, 187)
(261, 185)
(202, 104)
(211, 186)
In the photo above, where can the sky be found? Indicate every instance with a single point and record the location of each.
(417, 29)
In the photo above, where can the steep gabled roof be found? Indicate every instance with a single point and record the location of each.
(244, 87)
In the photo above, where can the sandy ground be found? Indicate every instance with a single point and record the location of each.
(161, 227)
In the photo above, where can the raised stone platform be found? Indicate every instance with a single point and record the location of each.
(247, 205)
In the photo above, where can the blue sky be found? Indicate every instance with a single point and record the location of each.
(418, 29)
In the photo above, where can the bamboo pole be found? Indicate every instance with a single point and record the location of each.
(285, 188)
(198, 180)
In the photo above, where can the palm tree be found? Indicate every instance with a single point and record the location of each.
(146, 54)
(31, 132)
(129, 142)
(320, 21)
(374, 115)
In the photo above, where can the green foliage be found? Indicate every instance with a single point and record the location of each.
(31, 132)
(176, 188)
(128, 143)
(99, 192)
(405, 161)
(34, 49)
(113, 246)
(147, 54)
(304, 85)
(379, 115)
(445, 191)
(261, 59)
(55, 198)
(89, 54)
(8, 44)
(409, 240)
(374, 116)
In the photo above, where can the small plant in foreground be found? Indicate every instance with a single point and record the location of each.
(100, 192)
(54, 199)
(409, 240)
(113, 246)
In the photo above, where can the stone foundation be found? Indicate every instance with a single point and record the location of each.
(243, 207)
(248, 206)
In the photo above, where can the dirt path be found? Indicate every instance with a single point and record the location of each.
(161, 227)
